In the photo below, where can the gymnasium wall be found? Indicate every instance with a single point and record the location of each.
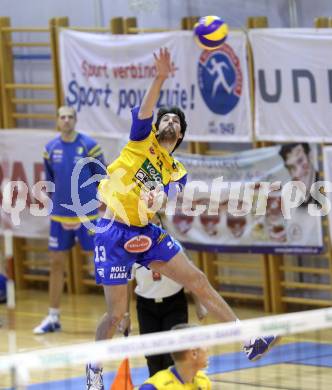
(163, 13)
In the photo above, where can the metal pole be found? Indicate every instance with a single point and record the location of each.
(98, 13)
(293, 16)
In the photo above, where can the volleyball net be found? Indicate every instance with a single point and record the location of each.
(302, 359)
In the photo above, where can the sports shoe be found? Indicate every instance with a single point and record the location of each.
(256, 349)
(48, 325)
(94, 378)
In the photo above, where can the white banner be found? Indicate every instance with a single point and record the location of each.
(235, 215)
(327, 160)
(293, 84)
(21, 160)
(105, 75)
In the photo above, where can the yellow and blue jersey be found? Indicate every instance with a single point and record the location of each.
(143, 162)
(170, 380)
(60, 158)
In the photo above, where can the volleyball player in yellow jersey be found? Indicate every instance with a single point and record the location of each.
(186, 373)
(125, 235)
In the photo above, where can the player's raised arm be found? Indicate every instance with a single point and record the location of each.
(163, 66)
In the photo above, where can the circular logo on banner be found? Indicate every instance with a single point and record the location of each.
(220, 79)
(138, 244)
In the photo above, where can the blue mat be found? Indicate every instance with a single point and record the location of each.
(305, 353)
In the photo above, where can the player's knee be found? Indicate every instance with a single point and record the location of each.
(57, 263)
(115, 316)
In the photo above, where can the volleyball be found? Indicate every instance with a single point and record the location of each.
(210, 32)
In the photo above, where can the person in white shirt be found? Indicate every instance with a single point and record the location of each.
(161, 304)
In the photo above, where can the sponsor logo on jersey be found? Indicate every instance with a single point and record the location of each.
(138, 244)
(148, 175)
(118, 272)
(57, 155)
(101, 272)
(151, 171)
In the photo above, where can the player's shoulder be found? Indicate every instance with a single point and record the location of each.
(161, 380)
(53, 143)
(87, 140)
(203, 380)
(178, 164)
(89, 144)
(179, 171)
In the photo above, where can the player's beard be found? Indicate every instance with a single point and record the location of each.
(168, 134)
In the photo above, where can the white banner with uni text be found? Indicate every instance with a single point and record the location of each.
(293, 84)
(104, 76)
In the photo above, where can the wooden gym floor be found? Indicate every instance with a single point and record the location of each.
(301, 362)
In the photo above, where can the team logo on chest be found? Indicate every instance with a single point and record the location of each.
(79, 150)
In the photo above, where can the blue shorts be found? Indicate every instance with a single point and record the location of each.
(63, 236)
(119, 247)
(3, 288)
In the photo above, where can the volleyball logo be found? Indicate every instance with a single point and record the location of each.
(220, 79)
(210, 32)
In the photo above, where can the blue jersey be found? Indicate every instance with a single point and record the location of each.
(60, 158)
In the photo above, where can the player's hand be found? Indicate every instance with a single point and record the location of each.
(163, 63)
(153, 199)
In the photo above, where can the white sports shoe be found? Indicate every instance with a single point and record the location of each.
(94, 378)
(48, 325)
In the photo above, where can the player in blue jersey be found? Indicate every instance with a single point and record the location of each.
(61, 155)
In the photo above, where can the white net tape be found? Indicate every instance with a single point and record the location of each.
(156, 343)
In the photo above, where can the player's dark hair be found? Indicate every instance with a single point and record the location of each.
(173, 110)
(287, 148)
